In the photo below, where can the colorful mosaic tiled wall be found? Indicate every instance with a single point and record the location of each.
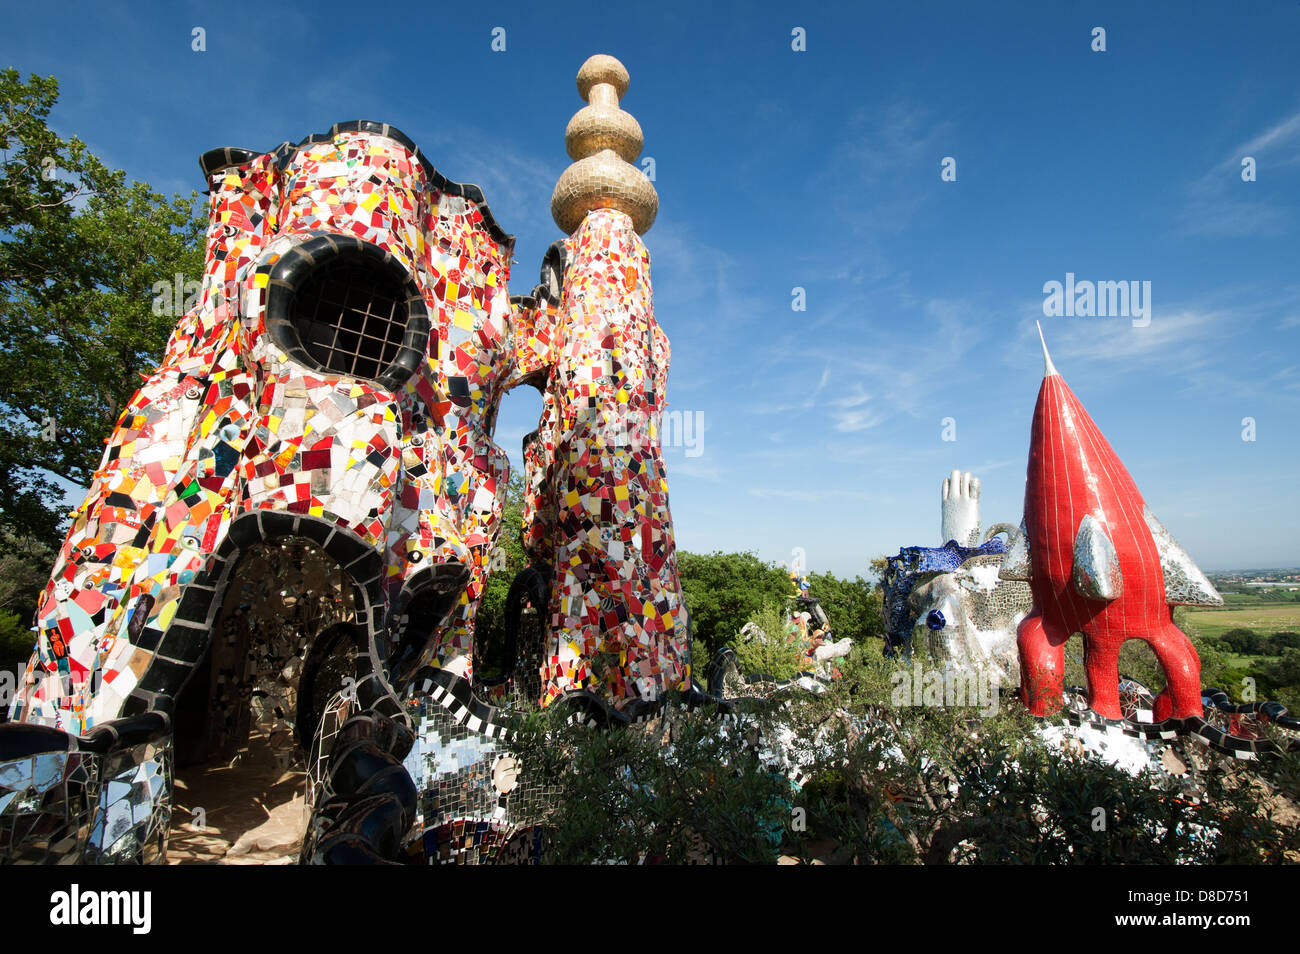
(246, 419)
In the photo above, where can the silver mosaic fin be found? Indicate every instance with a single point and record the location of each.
(1015, 565)
(1096, 566)
(1185, 584)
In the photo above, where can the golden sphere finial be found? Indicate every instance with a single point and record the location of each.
(602, 68)
(605, 141)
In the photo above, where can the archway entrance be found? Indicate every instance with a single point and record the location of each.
(287, 637)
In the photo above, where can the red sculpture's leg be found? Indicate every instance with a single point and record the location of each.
(1042, 664)
(1181, 697)
(1101, 664)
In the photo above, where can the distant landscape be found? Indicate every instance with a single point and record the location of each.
(1256, 631)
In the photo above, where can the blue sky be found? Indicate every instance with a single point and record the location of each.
(821, 169)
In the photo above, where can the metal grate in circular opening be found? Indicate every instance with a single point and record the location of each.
(351, 316)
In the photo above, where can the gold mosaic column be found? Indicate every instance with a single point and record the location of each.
(605, 141)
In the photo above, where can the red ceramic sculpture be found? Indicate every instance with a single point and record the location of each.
(1099, 564)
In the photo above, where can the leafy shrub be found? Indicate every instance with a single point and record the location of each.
(1243, 641)
(776, 650)
(1278, 642)
(683, 788)
(889, 784)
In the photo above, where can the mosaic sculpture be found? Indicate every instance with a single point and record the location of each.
(1100, 564)
(307, 489)
(911, 567)
(969, 618)
(951, 596)
(616, 615)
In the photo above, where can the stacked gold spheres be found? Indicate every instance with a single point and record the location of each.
(605, 141)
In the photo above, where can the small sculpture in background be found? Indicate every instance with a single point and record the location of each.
(805, 634)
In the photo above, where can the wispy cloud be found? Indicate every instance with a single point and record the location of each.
(1276, 136)
(1172, 338)
(856, 398)
(883, 143)
(1220, 204)
(857, 420)
(989, 466)
(696, 470)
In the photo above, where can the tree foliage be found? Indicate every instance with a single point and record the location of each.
(772, 647)
(726, 590)
(81, 249)
(852, 606)
(723, 590)
(507, 559)
(1244, 641)
(24, 570)
(677, 790)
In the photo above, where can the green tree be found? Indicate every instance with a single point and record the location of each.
(1279, 642)
(723, 590)
(775, 650)
(16, 642)
(1281, 678)
(508, 558)
(1243, 641)
(24, 570)
(852, 606)
(81, 249)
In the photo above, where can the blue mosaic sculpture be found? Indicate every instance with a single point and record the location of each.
(913, 566)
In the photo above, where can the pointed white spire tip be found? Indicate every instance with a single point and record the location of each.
(1049, 369)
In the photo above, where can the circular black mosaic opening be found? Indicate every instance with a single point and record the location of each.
(351, 316)
(347, 307)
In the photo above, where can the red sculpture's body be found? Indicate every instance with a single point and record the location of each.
(1073, 474)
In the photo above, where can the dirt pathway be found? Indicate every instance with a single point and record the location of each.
(253, 812)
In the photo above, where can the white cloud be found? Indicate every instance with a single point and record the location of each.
(1279, 134)
(856, 420)
(858, 397)
(1216, 206)
(1173, 337)
(694, 469)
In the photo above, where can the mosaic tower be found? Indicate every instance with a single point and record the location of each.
(616, 615)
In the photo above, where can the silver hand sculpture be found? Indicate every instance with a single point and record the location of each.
(961, 509)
